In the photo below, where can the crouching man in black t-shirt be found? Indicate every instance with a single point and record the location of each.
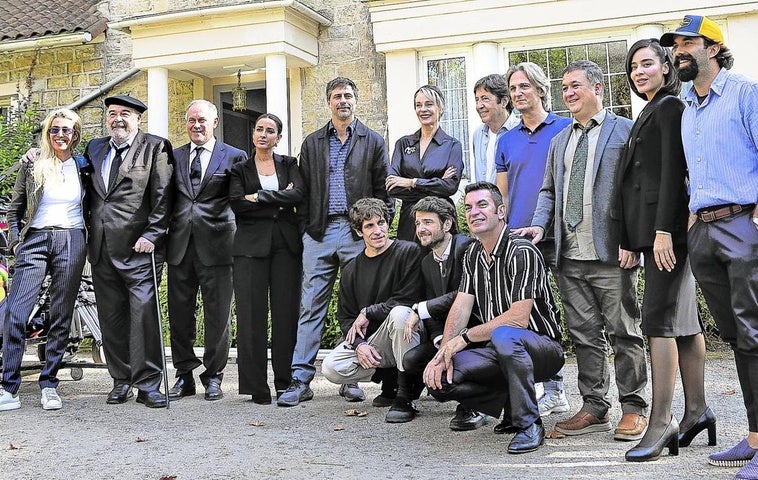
(376, 290)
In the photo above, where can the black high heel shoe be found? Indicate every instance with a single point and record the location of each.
(669, 439)
(706, 420)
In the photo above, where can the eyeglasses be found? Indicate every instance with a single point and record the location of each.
(63, 130)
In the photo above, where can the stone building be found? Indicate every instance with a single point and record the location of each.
(168, 52)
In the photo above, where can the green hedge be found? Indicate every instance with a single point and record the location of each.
(332, 334)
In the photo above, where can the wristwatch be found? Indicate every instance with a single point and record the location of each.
(464, 335)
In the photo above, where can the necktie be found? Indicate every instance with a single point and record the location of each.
(115, 165)
(575, 194)
(196, 171)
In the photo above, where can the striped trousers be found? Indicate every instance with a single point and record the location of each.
(61, 253)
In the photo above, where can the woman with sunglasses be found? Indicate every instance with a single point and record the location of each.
(47, 237)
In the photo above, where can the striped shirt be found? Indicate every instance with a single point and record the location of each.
(516, 272)
(720, 138)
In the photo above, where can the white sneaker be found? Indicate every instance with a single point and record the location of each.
(50, 399)
(8, 401)
(554, 401)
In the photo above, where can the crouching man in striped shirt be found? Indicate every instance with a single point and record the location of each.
(492, 367)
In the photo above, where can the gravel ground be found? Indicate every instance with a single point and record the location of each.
(236, 439)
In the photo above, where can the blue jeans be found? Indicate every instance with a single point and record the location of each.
(321, 261)
(60, 253)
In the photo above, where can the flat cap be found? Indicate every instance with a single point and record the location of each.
(126, 101)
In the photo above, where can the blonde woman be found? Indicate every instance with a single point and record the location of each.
(47, 237)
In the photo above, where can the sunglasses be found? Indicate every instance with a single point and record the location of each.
(63, 130)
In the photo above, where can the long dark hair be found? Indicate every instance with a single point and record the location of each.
(671, 83)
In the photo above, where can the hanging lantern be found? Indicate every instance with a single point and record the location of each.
(239, 95)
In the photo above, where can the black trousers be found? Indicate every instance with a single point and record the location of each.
(60, 253)
(126, 305)
(724, 260)
(501, 375)
(256, 279)
(215, 285)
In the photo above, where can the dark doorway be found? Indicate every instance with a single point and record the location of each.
(238, 125)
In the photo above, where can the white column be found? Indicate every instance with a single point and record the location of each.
(402, 82)
(157, 101)
(486, 60)
(276, 96)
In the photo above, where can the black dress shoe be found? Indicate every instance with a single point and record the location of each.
(213, 389)
(706, 420)
(528, 439)
(184, 387)
(120, 393)
(669, 438)
(152, 399)
(261, 399)
(466, 419)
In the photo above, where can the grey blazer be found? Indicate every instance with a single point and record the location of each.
(614, 133)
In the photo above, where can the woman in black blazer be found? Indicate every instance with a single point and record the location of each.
(653, 206)
(267, 260)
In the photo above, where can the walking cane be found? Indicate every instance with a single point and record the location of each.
(160, 326)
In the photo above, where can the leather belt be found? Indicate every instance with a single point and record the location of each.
(717, 213)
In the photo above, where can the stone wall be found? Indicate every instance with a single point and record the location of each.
(62, 75)
(346, 49)
(58, 77)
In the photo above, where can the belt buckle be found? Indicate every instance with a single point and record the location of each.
(708, 216)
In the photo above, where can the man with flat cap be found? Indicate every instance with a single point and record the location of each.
(720, 139)
(130, 207)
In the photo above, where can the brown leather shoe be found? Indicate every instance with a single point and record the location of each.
(631, 427)
(583, 422)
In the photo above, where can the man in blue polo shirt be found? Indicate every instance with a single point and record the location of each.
(520, 161)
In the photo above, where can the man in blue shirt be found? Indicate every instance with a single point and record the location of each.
(520, 160)
(493, 107)
(720, 138)
(341, 163)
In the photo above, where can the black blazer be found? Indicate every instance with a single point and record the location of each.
(440, 290)
(140, 203)
(652, 178)
(205, 216)
(256, 220)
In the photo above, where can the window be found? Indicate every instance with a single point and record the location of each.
(449, 75)
(610, 56)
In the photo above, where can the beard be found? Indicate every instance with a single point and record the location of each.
(689, 72)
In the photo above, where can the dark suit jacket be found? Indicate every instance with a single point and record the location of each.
(614, 133)
(207, 216)
(255, 220)
(652, 177)
(139, 205)
(365, 174)
(440, 290)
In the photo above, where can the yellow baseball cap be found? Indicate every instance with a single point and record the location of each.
(694, 26)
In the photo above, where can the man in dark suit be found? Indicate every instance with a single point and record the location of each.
(596, 278)
(199, 254)
(131, 198)
(441, 268)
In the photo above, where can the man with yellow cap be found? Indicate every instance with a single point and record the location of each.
(720, 137)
